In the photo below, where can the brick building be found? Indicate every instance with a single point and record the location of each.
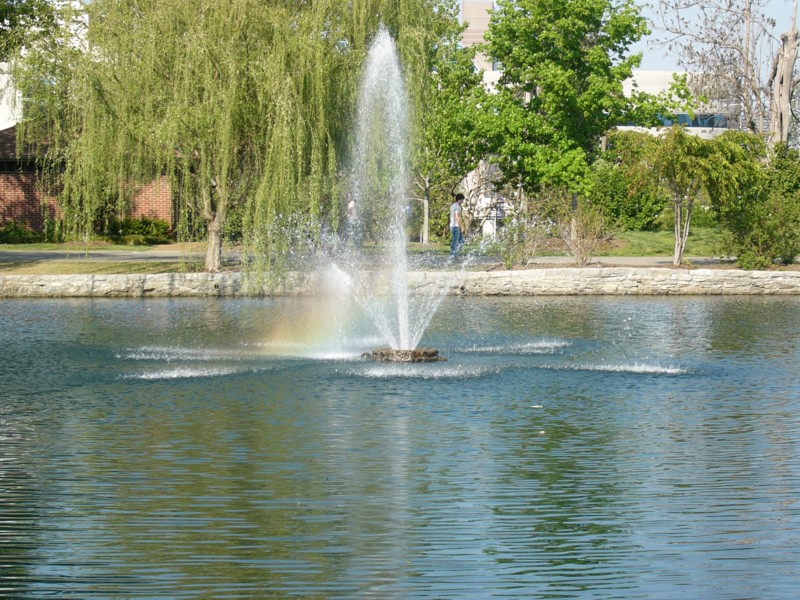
(20, 200)
(154, 200)
(24, 203)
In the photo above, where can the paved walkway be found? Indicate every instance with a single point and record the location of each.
(110, 255)
(166, 254)
(632, 261)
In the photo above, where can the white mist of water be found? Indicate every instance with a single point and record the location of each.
(377, 280)
(381, 174)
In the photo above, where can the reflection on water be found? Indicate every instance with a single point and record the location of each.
(569, 448)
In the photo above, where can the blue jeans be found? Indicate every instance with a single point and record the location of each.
(456, 241)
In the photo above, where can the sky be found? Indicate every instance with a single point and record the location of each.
(657, 59)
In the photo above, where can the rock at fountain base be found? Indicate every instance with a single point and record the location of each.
(418, 355)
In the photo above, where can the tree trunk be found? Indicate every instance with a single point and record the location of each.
(214, 248)
(749, 113)
(782, 83)
(677, 255)
(573, 223)
(683, 218)
(426, 212)
(214, 210)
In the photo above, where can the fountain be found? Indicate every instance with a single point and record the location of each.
(377, 281)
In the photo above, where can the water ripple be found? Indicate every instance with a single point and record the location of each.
(635, 368)
(186, 373)
(623, 466)
(535, 347)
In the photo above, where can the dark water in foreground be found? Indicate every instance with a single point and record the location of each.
(570, 448)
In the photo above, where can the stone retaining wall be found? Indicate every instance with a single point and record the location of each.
(552, 281)
(629, 280)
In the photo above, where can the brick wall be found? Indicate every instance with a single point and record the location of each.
(153, 200)
(21, 202)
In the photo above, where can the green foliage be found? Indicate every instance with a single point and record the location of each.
(703, 215)
(757, 201)
(784, 172)
(14, 233)
(625, 204)
(234, 225)
(19, 19)
(680, 163)
(53, 231)
(440, 224)
(42, 68)
(141, 230)
(624, 184)
(247, 110)
(564, 63)
(449, 143)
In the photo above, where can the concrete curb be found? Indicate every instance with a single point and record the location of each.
(530, 282)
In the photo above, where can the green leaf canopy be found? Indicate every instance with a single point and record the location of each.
(244, 105)
(564, 63)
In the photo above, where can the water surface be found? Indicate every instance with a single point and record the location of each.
(569, 448)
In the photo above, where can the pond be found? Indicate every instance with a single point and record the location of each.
(582, 447)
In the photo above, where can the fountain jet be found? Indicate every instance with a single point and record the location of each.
(378, 279)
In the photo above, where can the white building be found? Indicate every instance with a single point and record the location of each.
(709, 122)
(10, 100)
(476, 14)
(485, 206)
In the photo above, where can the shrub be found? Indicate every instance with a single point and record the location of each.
(624, 184)
(628, 195)
(784, 201)
(758, 204)
(14, 233)
(439, 226)
(141, 230)
(234, 225)
(583, 231)
(520, 241)
(53, 230)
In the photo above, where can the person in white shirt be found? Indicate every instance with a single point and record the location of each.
(456, 226)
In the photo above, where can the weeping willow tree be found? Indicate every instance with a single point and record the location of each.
(243, 105)
(229, 100)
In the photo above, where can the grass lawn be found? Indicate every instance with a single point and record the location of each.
(97, 267)
(703, 241)
(76, 247)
